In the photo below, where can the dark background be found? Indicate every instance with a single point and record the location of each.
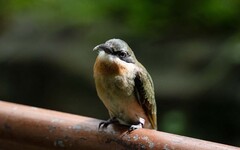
(190, 48)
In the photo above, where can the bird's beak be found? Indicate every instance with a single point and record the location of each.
(103, 47)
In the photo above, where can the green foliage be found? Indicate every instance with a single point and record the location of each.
(220, 11)
(174, 121)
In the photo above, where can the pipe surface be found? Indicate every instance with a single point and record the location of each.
(31, 128)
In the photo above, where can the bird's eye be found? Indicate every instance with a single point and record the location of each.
(122, 54)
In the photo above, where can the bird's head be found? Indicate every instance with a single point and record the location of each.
(116, 49)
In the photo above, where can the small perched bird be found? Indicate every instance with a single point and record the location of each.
(124, 86)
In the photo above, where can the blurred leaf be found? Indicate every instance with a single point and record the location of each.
(220, 11)
(174, 121)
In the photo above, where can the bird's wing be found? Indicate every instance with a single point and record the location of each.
(144, 91)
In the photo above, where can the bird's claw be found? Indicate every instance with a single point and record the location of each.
(137, 126)
(106, 123)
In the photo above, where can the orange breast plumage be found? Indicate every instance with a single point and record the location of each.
(106, 68)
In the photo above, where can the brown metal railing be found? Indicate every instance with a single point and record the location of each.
(31, 128)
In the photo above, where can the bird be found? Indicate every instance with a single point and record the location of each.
(124, 86)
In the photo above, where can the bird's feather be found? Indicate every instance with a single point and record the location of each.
(144, 91)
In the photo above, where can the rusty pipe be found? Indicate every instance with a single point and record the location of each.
(31, 128)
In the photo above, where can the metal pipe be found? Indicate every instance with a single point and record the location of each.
(31, 128)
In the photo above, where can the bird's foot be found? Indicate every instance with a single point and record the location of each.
(137, 126)
(106, 123)
(134, 127)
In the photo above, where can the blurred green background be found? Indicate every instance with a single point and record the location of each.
(190, 48)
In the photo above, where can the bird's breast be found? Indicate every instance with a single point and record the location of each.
(107, 68)
(115, 76)
(113, 81)
(112, 78)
